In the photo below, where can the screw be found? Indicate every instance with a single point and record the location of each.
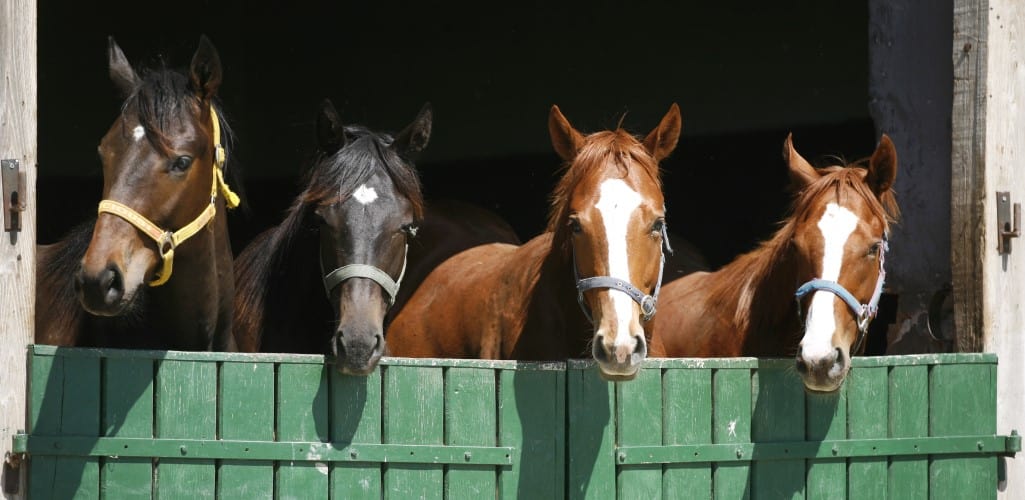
(183, 450)
(835, 450)
(467, 456)
(354, 454)
(622, 456)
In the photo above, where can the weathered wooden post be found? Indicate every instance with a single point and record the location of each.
(17, 241)
(988, 160)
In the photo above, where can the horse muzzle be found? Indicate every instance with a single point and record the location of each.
(619, 360)
(357, 353)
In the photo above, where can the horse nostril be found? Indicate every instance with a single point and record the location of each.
(112, 284)
(338, 344)
(378, 343)
(839, 360)
(802, 366)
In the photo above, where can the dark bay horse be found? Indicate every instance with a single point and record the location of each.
(322, 281)
(155, 268)
(828, 255)
(582, 287)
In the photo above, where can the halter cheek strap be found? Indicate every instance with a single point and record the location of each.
(167, 240)
(864, 313)
(647, 302)
(391, 287)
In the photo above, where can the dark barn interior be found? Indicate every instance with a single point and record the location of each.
(744, 77)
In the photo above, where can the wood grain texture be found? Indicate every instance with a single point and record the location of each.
(968, 159)
(18, 112)
(1003, 277)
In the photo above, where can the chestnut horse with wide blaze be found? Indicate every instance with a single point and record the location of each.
(828, 255)
(155, 269)
(583, 286)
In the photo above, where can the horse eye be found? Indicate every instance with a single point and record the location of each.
(574, 225)
(181, 163)
(873, 250)
(410, 230)
(658, 226)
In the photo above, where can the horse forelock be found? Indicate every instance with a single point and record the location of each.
(164, 98)
(333, 178)
(601, 151)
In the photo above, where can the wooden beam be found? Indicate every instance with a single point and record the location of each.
(17, 250)
(968, 160)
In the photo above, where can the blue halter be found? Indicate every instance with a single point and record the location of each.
(647, 302)
(863, 312)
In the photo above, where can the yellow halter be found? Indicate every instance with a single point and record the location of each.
(166, 239)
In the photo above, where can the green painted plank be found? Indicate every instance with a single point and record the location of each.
(687, 419)
(639, 422)
(64, 399)
(246, 412)
(302, 413)
(962, 401)
(826, 419)
(127, 412)
(46, 395)
(532, 419)
(413, 414)
(79, 415)
(471, 418)
(186, 407)
(908, 417)
(778, 415)
(867, 398)
(356, 418)
(731, 423)
(591, 434)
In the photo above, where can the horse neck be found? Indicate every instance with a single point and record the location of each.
(554, 317)
(280, 291)
(754, 293)
(193, 310)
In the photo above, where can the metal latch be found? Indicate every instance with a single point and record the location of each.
(13, 183)
(1007, 228)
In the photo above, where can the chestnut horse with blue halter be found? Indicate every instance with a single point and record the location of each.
(581, 288)
(155, 270)
(827, 257)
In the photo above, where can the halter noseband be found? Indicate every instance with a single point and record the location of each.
(864, 313)
(647, 302)
(167, 240)
(390, 286)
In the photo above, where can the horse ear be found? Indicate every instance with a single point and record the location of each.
(662, 140)
(330, 130)
(205, 71)
(121, 72)
(413, 139)
(882, 167)
(801, 172)
(565, 139)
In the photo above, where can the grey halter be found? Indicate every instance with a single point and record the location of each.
(647, 302)
(863, 312)
(391, 287)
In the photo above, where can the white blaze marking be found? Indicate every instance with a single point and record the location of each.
(616, 204)
(836, 224)
(365, 195)
(138, 132)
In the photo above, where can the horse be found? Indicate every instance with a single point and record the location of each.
(584, 284)
(154, 269)
(322, 280)
(811, 290)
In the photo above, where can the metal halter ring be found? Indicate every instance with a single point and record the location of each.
(166, 244)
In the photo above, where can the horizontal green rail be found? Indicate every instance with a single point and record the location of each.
(261, 450)
(842, 448)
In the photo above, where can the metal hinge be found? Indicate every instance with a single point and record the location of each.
(1007, 227)
(13, 182)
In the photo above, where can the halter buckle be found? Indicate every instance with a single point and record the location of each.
(648, 307)
(166, 244)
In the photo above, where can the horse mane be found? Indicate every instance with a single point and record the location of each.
(750, 275)
(600, 149)
(330, 178)
(159, 101)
